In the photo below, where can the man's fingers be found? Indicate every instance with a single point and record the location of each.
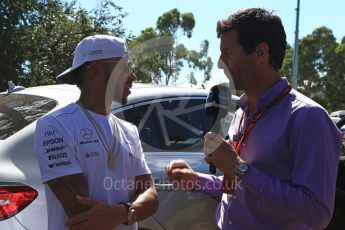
(177, 174)
(212, 141)
(77, 219)
(212, 136)
(86, 201)
(181, 175)
(84, 226)
(208, 158)
(183, 179)
(176, 164)
(84, 216)
(208, 150)
(210, 146)
(179, 164)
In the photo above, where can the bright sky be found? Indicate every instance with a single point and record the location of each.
(313, 14)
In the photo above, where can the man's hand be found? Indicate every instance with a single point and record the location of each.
(220, 153)
(100, 216)
(182, 175)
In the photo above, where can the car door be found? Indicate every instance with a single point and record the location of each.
(173, 128)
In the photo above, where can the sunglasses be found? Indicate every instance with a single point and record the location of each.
(126, 67)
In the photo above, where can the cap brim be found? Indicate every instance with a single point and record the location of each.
(68, 76)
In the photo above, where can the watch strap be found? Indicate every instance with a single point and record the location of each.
(128, 206)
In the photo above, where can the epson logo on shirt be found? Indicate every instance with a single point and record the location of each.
(53, 141)
(59, 164)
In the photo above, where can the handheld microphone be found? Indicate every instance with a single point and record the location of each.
(217, 106)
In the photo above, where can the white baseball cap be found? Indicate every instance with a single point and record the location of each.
(92, 48)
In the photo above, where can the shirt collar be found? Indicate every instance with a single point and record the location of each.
(266, 97)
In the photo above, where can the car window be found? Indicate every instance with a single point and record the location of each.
(19, 110)
(342, 129)
(183, 123)
(170, 124)
(144, 117)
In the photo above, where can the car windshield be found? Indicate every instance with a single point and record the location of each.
(19, 110)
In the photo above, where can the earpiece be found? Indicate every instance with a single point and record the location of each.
(259, 52)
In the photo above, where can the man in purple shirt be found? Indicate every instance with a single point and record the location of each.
(281, 164)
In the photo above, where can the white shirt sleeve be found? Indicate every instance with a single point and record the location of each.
(54, 150)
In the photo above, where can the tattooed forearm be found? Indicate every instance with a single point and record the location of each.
(66, 188)
(146, 201)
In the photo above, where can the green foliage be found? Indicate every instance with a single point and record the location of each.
(170, 22)
(40, 37)
(321, 68)
(335, 81)
(160, 58)
(286, 69)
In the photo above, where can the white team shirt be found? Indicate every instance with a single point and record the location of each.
(67, 143)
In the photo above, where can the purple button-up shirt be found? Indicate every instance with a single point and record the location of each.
(293, 152)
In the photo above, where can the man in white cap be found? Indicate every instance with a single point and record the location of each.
(92, 163)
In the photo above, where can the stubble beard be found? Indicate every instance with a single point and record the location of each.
(124, 101)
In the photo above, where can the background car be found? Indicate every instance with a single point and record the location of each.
(171, 122)
(338, 221)
(339, 114)
(335, 119)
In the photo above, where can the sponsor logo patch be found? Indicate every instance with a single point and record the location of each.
(91, 154)
(86, 133)
(52, 141)
(95, 52)
(54, 149)
(59, 164)
(50, 133)
(57, 156)
(88, 142)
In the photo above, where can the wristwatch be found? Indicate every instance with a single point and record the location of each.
(241, 168)
(128, 207)
(132, 216)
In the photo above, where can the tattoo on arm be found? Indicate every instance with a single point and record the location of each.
(143, 183)
(66, 188)
(146, 200)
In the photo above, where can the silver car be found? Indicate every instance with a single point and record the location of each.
(171, 121)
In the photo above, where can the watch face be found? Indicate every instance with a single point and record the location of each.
(242, 167)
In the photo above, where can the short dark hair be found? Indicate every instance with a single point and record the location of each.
(256, 25)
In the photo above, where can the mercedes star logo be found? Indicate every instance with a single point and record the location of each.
(86, 133)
